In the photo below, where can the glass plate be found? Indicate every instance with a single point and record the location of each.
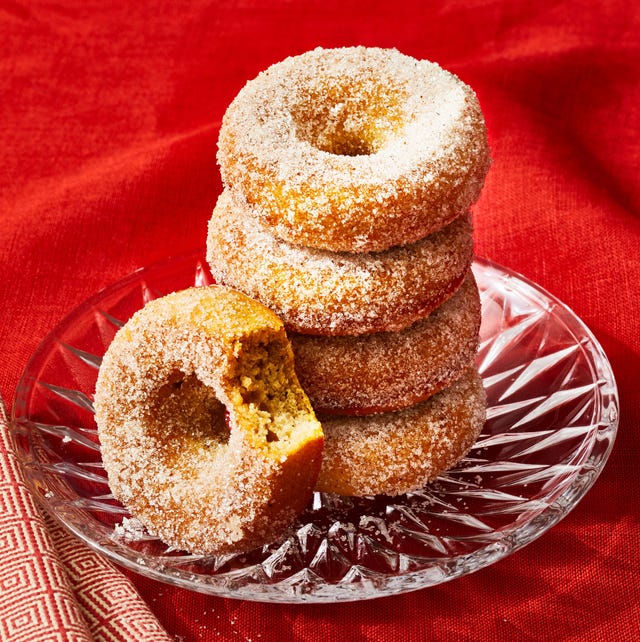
(551, 423)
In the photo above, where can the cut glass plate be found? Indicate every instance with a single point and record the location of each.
(551, 423)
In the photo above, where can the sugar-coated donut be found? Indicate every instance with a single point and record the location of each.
(337, 293)
(398, 452)
(201, 482)
(390, 370)
(355, 149)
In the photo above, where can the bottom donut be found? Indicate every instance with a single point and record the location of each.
(399, 452)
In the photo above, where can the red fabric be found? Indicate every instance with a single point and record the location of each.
(108, 122)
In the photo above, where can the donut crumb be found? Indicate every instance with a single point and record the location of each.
(265, 400)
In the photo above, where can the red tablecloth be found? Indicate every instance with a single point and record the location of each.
(108, 121)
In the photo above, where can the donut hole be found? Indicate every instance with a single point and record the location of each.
(189, 410)
(270, 400)
(342, 121)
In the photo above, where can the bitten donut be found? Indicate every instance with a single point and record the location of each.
(206, 435)
(399, 452)
(390, 370)
(354, 149)
(331, 293)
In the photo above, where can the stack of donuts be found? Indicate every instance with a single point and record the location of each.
(348, 176)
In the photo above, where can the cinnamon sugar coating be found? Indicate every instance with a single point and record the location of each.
(336, 293)
(206, 435)
(399, 452)
(354, 149)
(390, 370)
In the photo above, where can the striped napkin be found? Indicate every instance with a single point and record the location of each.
(52, 586)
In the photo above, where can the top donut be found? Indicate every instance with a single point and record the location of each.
(355, 149)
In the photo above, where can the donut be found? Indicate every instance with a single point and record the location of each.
(206, 435)
(336, 293)
(354, 149)
(399, 452)
(390, 370)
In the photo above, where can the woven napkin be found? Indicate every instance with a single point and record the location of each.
(52, 586)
